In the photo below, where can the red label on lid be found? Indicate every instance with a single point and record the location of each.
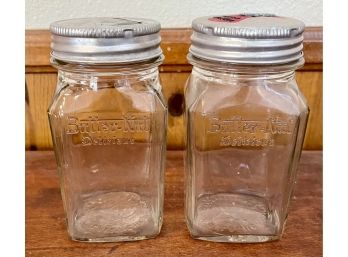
(230, 18)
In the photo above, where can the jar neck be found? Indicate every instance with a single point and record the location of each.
(244, 71)
(148, 67)
(107, 75)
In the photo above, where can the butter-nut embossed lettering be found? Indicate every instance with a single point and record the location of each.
(108, 130)
(237, 124)
(129, 123)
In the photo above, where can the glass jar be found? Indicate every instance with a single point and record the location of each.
(246, 121)
(108, 122)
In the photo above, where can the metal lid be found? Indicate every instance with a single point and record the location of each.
(247, 39)
(105, 40)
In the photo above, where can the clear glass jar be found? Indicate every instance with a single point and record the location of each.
(108, 124)
(245, 129)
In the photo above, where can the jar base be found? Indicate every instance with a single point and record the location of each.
(238, 238)
(113, 239)
(113, 217)
(234, 217)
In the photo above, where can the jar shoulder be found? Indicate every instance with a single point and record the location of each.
(78, 98)
(207, 95)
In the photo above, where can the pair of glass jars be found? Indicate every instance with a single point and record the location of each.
(245, 123)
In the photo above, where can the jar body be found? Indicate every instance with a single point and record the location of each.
(244, 137)
(109, 134)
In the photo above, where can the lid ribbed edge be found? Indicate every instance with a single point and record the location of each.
(247, 38)
(105, 40)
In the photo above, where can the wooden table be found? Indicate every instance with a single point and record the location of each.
(46, 233)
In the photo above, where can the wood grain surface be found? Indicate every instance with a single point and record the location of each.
(46, 233)
(41, 82)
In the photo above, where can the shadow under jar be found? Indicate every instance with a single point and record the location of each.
(108, 122)
(246, 121)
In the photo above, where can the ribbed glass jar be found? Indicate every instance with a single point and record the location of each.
(245, 128)
(108, 124)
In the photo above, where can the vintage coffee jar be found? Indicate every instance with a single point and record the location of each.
(246, 121)
(108, 122)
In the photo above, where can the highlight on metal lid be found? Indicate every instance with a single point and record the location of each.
(105, 27)
(105, 40)
(247, 38)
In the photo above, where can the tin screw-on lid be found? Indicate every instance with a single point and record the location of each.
(247, 39)
(105, 40)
